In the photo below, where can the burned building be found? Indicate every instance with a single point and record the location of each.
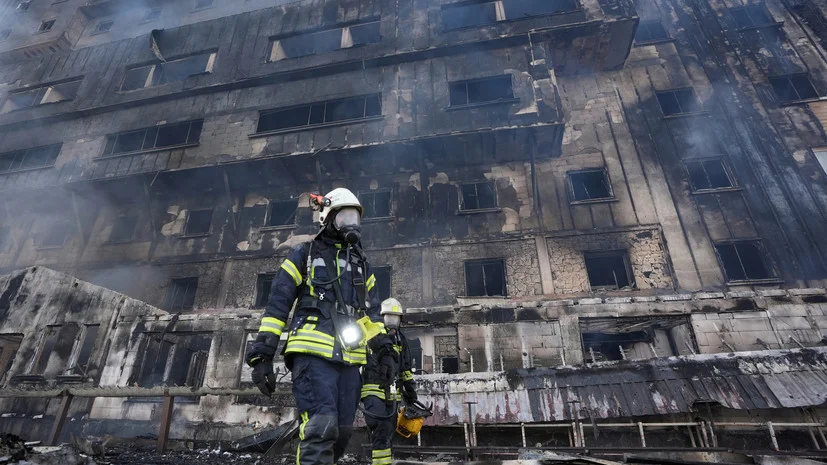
(585, 205)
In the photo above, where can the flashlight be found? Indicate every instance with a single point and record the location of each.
(352, 336)
(356, 335)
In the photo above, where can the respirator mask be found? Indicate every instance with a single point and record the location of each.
(348, 224)
(392, 320)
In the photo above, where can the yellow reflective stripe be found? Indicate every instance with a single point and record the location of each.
(379, 453)
(291, 269)
(314, 334)
(271, 325)
(267, 329)
(308, 349)
(371, 282)
(305, 418)
(382, 461)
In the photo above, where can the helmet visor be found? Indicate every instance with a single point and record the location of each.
(348, 216)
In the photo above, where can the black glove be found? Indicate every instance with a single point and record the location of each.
(387, 369)
(409, 392)
(260, 357)
(379, 343)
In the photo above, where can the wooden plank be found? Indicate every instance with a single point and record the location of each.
(60, 419)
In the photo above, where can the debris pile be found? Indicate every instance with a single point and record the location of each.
(14, 450)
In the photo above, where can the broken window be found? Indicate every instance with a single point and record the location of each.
(264, 283)
(485, 278)
(589, 185)
(332, 111)
(198, 222)
(751, 16)
(476, 14)
(123, 229)
(54, 93)
(635, 338)
(383, 281)
(415, 348)
(376, 204)
(677, 102)
(450, 365)
(156, 137)
(478, 196)
(170, 71)
(46, 26)
(609, 270)
(56, 233)
(793, 88)
(152, 15)
(103, 26)
(744, 261)
(709, 175)
(82, 352)
(44, 350)
(281, 213)
(181, 294)
(27, 159)
(516, 9)
(9, 345)
(476, 91)
(201, 4)
(312, 43)
(173, 359)
(650, 31)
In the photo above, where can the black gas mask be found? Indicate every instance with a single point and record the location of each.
(347, 223)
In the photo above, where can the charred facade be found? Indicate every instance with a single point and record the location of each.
(563, 186)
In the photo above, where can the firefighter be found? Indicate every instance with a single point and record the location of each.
(380, 398)
(336, 315)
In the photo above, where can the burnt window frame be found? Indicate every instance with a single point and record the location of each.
(42, 92)
(46, 25)
(623, 254)
(176, 286)
(500, 12)
(466, 82)
(9, 340)
(156, 72)
(188, 233)
(749, 10)
(646, 25)
(573, 192)
(131, 235)
(84, 348)
(143, 374)
(764, 257)
(193, 139)
(363, 200)
(482, 262)
(34, 367)
(260, 299)
(271, 203)
(789, 79)
(463, 208)
(98, 30)
(697, 109)
(324, 108)
(277, 51)
(18, 159)
(733, 182)
(383, 269)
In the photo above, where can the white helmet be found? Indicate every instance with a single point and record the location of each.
(392, 306)
(339, 198)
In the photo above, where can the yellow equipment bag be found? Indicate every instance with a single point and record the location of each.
(407, 427)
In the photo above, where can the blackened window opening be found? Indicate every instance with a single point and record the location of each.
(608, 270)
(123, 229)
(87, 340)
(478, 196)
(744, 261)
(46, 25)
(709, 175)
(478, 91)
(181, 294)
(516, 9)
(477, 14)
(46, 348)
(53, 93)
(415, 347)
(104, 26)
(264, 284)
(171, 71)
(332, 111)
(198, 222)
(376, 204)
(793, 88)
(751, 16)
(281, 213)
(609, 346)
(450, 365)
(485, 278)
(9, 345)
(590, 185)
(383, 275)
(34, 158)
(156, 137)
(650, 31)
(676, 102)
(312, 43)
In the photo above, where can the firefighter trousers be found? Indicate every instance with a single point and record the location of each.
(327, 395)
(381, 422)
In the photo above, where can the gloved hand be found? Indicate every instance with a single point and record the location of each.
(409, 392)
(260, 357)
(387, 369)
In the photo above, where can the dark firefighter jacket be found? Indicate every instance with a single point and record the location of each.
(371, 377)
(312, 330)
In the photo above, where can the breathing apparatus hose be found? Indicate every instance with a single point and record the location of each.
(393, 414)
